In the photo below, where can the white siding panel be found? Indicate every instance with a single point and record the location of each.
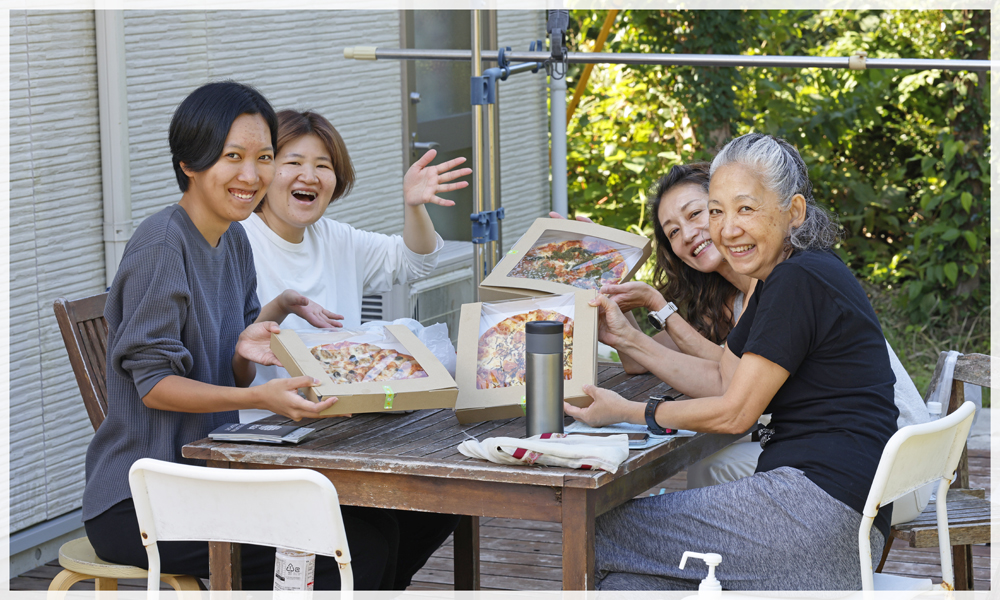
(56, 249)
(524, 124)
(269, 50)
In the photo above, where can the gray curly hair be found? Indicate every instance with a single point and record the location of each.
(782, 171)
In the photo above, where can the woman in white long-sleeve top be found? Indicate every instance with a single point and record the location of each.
(313, 270)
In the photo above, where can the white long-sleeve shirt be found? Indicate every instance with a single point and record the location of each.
(334, 265)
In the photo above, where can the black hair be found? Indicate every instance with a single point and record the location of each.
(702, 297)
(202, 122)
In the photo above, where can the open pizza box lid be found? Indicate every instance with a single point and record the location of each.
(475, 404)
(436, 390)
(593, 254)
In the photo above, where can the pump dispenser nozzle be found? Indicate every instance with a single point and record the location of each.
(709, 583)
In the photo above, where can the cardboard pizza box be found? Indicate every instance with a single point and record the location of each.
(474, 404)
(510, 279)
(437, 390)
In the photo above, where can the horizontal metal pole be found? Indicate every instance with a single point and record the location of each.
(694, 60)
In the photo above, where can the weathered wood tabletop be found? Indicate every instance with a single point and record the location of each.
(410, 461)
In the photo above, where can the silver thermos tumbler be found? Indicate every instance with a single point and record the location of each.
(544, 377)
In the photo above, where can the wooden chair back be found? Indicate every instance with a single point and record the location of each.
(85, 333)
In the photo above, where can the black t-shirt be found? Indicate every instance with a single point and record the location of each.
(833, 415)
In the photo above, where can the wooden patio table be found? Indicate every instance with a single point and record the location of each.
(411, 462)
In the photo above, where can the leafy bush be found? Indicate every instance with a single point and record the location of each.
(900, 156)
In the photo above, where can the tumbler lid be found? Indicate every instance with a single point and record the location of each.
(543, 328)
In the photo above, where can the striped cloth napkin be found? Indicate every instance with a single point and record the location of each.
(551, 449)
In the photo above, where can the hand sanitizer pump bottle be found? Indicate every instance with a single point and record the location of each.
(709, 586)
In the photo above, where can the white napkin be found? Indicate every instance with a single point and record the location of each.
(552, 449)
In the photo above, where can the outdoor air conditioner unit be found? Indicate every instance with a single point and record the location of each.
(435, 298)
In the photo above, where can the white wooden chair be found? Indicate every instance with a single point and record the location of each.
(296, 509)
(914, 456)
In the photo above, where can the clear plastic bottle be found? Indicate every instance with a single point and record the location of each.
(934, 410)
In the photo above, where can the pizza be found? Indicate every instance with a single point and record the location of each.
(587, 264)
(350, 362)
(502, 349)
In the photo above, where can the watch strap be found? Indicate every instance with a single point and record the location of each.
(651, 423)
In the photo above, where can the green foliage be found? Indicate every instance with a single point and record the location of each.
(900, 156)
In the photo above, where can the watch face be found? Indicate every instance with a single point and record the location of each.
(654, 320)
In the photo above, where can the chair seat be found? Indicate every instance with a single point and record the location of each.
(886, 583)
(79, 556)
(968, 522)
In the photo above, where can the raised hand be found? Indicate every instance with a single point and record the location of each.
(607, 408)
(281, 396)
(634, 294)
(310, 311)
(254, 344)
(555, 215)
(423, 181)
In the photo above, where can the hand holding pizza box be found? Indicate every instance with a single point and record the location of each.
(556, 256)
(492, 352)
(382, 369)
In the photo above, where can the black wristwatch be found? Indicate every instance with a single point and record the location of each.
(658, 319)
(654, 427)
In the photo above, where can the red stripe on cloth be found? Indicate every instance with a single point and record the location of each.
(519, 453)
(586, 467)
(545, 436)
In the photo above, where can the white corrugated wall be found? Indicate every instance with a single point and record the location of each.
(170, 53)
(56, 243)
(524, 124)
(56, 249)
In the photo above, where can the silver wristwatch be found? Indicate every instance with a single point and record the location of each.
(658, 319)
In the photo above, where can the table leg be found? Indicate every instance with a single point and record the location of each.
(225, 567)
(578, 512)
(467, 554)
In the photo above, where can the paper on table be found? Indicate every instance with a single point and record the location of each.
(580, 427)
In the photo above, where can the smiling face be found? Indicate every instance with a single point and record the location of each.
(683, 215)
(746, 221)
(230, 189)
(302, 189)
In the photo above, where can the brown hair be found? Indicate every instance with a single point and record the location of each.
(293, 124)
(702, 297)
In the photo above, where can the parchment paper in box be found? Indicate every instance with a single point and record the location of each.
(523, 272)
(474, 404)
(437, 390)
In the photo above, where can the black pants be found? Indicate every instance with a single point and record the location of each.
(387, 548)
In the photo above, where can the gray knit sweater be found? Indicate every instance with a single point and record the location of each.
(176, 307)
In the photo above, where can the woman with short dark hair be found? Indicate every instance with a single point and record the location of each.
(184, 336)
(808, 350)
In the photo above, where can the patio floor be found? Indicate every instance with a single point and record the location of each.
(526, 555)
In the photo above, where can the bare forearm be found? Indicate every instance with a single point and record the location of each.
(180, 394)
(275, 310)
(690, 341)
(418, 230)
(689, 375)
(244, 371)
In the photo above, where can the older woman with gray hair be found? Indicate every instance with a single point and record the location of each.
(809, 350)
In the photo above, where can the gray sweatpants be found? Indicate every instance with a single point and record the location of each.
(775, 531)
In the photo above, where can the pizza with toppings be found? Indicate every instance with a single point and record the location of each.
(586, 264)
(350, 362)
(502, 349)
